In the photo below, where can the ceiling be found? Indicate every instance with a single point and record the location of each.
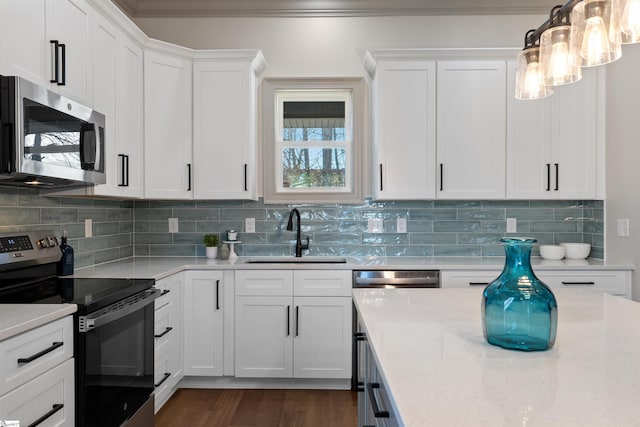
(282, 8)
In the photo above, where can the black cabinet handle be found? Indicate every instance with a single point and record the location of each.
(124, 162)
(441, 177)
(557, 178)
(380, 176)
(478, 283)
(166, 377)
(56, 408)
(30, 359)
(246, 185)
(217, 294)
(164, 292)
(578, 283)
(165, 332)
(297, 319)
(55, 62)
(63, 51)
(188, 176)
(548, 177)
(358, 337)
(377, 412)
(288, 320)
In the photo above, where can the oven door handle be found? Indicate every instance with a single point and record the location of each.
(117, 310)
(397, 281)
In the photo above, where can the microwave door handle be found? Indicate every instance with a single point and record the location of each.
(93, 144)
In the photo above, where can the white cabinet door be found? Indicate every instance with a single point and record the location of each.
(24, 53)
(264, 336)
(224, 130)
(203, 327)
(552, 142)
(70, 22)
(322, 337)
(405, 130)
(471, 129)
(167, 126)
(27, 28)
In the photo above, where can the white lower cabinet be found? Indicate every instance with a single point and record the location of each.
(168, 338)
(615, 282)
(298, 325)
(37, 371)
(204, 323)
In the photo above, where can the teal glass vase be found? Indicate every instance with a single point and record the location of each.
(519, 312)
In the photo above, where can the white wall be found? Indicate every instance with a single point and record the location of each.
(304, 47)
(623, 160)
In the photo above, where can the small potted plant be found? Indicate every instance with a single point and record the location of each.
(211, 244)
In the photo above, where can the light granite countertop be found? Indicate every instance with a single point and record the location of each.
(440, 371)
(160, 267)
(18, 318)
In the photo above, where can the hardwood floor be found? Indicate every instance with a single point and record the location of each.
(263, 408)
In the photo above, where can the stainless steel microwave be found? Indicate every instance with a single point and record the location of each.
(47, 140)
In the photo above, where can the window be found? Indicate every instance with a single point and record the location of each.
(312, 140)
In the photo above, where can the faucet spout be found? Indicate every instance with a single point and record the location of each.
(299, 245)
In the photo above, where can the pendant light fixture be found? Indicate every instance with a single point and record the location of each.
(557, 50)
(595, 32)
(529, 76)
(628, 16)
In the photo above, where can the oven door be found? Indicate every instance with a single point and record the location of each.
(114, 357)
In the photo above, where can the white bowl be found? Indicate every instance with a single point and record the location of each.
(552, 251)
(577, 250)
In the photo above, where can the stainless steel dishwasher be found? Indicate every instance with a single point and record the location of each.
(379, 279)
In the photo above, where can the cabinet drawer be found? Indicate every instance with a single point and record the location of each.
(163, 370)
(25, 356)
(165, 294)
(463, 278)
(164, 324)
(613, 282)
(42, 396)
(322, 283)
(264, 282)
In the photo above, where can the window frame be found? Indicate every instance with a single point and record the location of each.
(273, 191)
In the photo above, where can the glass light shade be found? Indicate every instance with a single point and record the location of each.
(595, 32)
(529, 76)
(628, 19)
(557, 56)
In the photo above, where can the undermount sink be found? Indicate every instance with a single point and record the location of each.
(295, 260)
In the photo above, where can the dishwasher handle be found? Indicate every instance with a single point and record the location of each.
(432, 281)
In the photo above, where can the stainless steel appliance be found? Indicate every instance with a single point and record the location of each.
(113, 338)
(46, 139)
(371, 395)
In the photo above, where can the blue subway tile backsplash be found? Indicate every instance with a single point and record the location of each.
(435, 228)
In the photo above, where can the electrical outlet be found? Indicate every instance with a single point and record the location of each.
(88, 228)
(622, 226)
(512, 225)
(249, 225)
(375, 225)
(173, 225)
(401, 225)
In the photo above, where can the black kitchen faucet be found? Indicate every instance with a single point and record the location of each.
(299, 245)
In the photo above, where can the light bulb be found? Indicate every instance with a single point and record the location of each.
(533, 81)
(595, 44)
(559, 66)
(630, 22)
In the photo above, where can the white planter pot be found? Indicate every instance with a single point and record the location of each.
(212, 251)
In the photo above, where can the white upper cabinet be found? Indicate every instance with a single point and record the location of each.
(552, 143)
(224, 124)
(118, 94)
(168, 124)
(405, 129)
(471, 120)
(49, 42)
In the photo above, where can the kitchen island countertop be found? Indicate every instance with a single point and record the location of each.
(440, 371)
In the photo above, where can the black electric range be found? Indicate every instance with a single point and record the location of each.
(113, 328)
